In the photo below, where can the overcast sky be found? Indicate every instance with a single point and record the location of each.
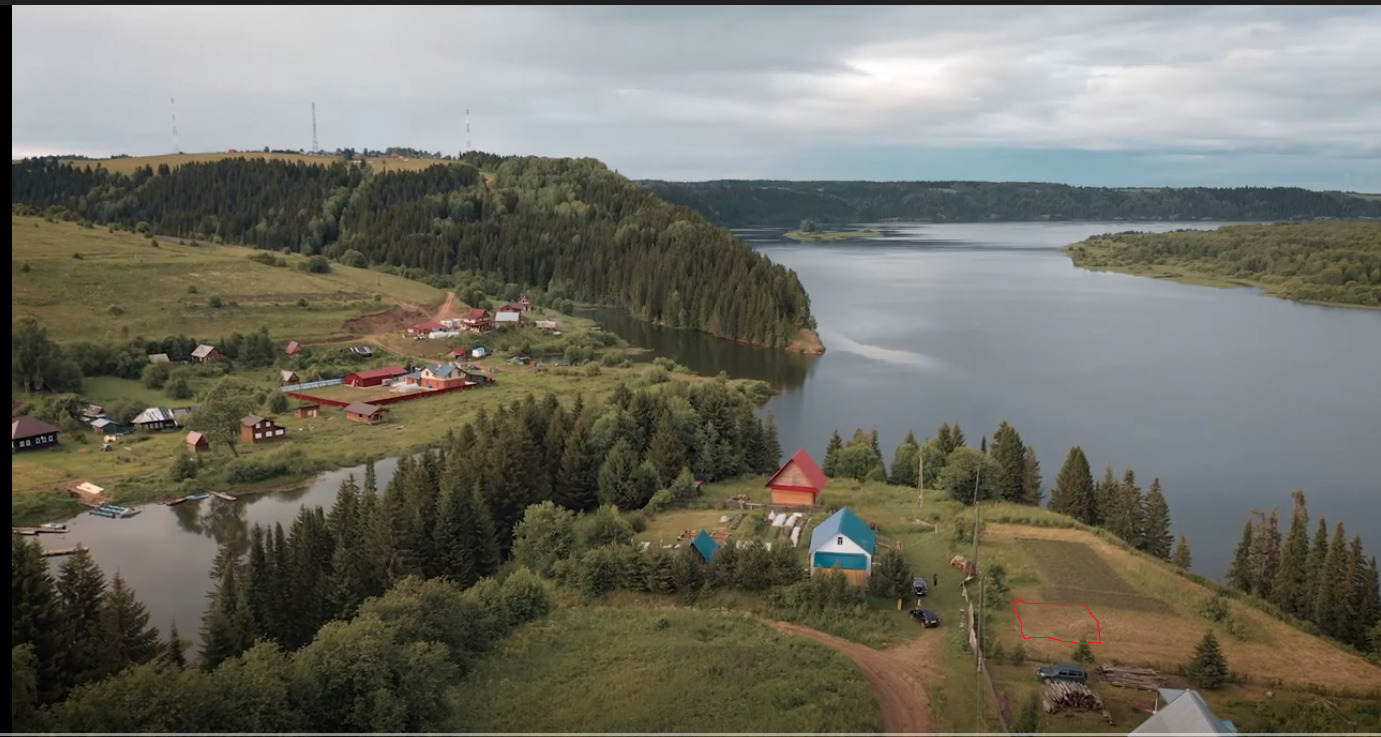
(1181, 95)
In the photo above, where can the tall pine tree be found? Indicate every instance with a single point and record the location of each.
(1157, 537)
(81, 590)
(36, 617)
(1031, 490)
(906, 462)
(1073, 493)
(128, 638)
(1239, 575)
(1330, 610)
(1182, 558)
(1010, 454)
(832, 450)
(1265, 551)
(1290, 590)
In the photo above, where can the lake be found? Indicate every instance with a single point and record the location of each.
(1230, 398)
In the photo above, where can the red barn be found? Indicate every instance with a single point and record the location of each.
(374, 377)
(477, 320)
(798, 483)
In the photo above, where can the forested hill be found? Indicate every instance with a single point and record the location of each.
(745, 204)
(569, 227)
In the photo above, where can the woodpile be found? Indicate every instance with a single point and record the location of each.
(1146, 679)
(1069, 695)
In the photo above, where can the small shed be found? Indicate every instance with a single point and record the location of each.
(843, 542)
(479, 352)
(290, 377)
(292, 348)
(369, 414)
(107, 426)
(308, 410)
(205, 353)
(704, 546)
(159, 358)
(798, 482)
(374, 377)
(197, 443)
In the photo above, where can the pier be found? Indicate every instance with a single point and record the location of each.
(56, 552)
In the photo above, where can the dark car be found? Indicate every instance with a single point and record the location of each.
(918, 584)
(1062, 672)
(926, 617)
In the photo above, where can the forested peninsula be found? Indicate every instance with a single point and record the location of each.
(1325, 262)
(570, 224)
(746, 204)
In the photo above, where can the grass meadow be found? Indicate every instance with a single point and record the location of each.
(126, 165)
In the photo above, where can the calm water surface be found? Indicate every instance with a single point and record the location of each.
(1230, 398)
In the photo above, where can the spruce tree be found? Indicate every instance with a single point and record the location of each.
(772, 446)
(1239, 575)
(1352, 629)
(1182, 558)
(1031, 490)
(371, 477)
(1157, 537)
(877, 453)
(1318, 550)
(983, 445)
(1368, 603)
(1010, 454)
(24, 689)
(81, 590)
(616, 482)
(226, 629)
(1329, 611)
(453, 535)
(1266, 551)
(1107, 499)
(1029, 720)
(667, 451)
(944, 437)
(956, 435)
(1291, 586)
(1073, 492)
(832, 449)
(173, 652)
(906, 463)
(488, 554)
(1136, 508)
(1208, 669)
(577, 478)
(128, 638)
(36, 617)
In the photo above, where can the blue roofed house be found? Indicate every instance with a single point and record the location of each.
(704, 546)
(846, 542)
(1183, 712)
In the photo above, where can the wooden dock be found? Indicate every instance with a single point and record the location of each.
(55, 552)
(39, 531)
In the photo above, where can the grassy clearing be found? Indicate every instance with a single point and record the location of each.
(123, 284)
(1076, 573)
(127, 164)
(832, 235)
(663, 671)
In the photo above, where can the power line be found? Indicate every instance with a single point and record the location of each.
(315, 146)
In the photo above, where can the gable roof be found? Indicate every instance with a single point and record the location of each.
(362, 408)
(1186, 713)
(509, 316)
(477, 313)
(444, 370)
(252, 420)
(705, 545)
(808, 466)
(159, 358)
(386, 372)
(292, 347)
(204, 350)
(430, 326)
(846, 523)
(288, 375)
(195, 438)
(28, 426)
(154, 414)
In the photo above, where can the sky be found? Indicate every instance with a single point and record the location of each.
(1089, 95)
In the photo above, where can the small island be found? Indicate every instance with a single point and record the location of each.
(810, 232)
(1328, 262)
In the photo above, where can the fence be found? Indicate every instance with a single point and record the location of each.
(977, 649)
(381, 401)
(290, 388)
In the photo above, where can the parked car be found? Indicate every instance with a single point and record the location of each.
(927, 617)
(918, 583)
(1062, 672)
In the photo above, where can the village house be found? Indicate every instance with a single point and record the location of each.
(374, 377)
(1181, 711)
(290, 377)
(206, 353)
(477, 320)
(256, 429)
(798, 482)
(442, 376)
(422, 330)
(360, 351)
(29, 433)
(524, 304)
(197, 443)
(704, 546)
(368, 414)
(159, 358)
(846, 543)
(507, 307)
(549, 325)
(292, 348)
(155, 418)
(108, 427)
(509, 318)
(308, 410)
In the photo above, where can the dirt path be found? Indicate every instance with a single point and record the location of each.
(448, 309)
(895, 676)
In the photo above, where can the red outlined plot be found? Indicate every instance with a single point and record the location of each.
(1097, 627)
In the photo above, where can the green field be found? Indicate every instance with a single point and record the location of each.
(91, 284)
(831, 235)
(629, 670)
(1076, 573)
(127, 164)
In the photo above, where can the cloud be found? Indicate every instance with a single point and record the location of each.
(706, 91)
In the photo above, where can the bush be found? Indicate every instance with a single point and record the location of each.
(192, 289)
(1019, 654)
(1083, 654)
(215, 301)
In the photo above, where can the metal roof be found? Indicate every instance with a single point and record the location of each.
(846, 523)
(803, 461)
(203, 351)
(154, 414)
(1186, 713)
(28, 426)
(705, 545)
(362, 408)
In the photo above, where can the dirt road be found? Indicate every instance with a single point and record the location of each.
(893, 675)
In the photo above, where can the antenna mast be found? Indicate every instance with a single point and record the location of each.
(315, 147)
(468, 147)
(177, 146)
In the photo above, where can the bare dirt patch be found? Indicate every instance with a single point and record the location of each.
(807, 342)
(449, 309)
(1069, 622)
(893, 675)
(386, 321)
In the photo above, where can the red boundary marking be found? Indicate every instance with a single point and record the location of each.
(1022, 627)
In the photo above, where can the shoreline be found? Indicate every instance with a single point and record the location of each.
(827, 236)
(1196, 279)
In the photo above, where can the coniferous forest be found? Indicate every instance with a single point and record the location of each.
(747, 204)
(568, 225)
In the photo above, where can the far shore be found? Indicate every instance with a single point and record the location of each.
(832, 235)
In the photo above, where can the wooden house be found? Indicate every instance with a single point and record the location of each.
(508, 318)
(845, 543)
(374, 377)
(206, 353)
(108, 427)
(422, 330)
(155, 418)
(369, 414)
(1180, 711)
(290, 377)
(293, 348)
(507, 307)
(798, 482)
(442, 376)
(477, 320)
(525, 304)
(197, 443)
(703, 546)
(30, 433)
(308, 410)
(256, 429)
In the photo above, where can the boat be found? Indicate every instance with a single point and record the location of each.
(200, 495)
(53, 526)
(174, 501)
(114, 511)
(222, 496)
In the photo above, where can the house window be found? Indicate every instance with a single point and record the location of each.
(839, 540)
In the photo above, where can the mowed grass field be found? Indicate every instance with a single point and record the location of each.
(127, 165)
(122, 281)
(605, 669)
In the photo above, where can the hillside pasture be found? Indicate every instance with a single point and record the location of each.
(92, 284)
(603, 669)
(1077, 574)
(127, 164)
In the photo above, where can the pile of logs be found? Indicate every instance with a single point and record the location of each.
(1143, 678)
(1069, 695)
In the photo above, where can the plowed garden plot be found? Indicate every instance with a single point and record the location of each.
(1074, 572)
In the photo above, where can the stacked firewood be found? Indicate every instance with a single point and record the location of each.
(1143, 678)
(1069, 695)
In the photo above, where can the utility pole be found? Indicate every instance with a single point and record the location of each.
(978, 617)
(315, 146)
(920, 479)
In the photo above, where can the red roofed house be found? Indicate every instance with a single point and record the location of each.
(508, 307)
(426, 328)
(477, 320)
(798, 483)
(28, 432)
(293, 348)
(197, 443)
(374, 377)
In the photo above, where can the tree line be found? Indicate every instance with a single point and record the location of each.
(531, 221)
(1324, 580)
(1337, 262)
(744, 204)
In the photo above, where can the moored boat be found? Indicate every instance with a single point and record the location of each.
(174, 501)
(196, 497)
(222, 496)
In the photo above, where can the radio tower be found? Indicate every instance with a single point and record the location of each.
(315, 146)
(468, 147)
(177, 147)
